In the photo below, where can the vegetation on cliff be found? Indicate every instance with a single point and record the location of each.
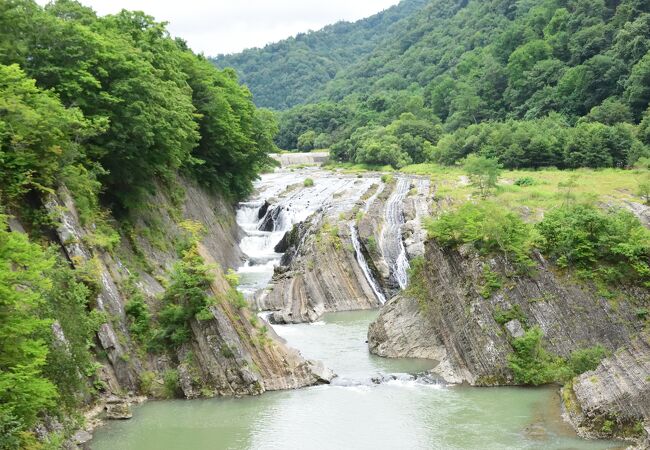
(112, 108)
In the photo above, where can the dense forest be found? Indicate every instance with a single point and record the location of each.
(562, 83)
(112, 108)
(290, 72)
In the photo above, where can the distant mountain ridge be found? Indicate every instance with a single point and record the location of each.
(294, 70)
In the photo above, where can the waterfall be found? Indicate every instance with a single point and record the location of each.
(391, 244)
(364, 265)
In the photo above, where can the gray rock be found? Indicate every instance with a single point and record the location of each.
(455, 324)
(119, 410)
(515, 328)
(322, 373)
(618, 390)
(81, 437)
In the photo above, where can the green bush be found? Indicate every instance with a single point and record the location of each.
(171, 385)
(524, 181)
(185, 298)
(308, 182)
(491, 282)
(532, 364)
(489, 228)
(586, 359)
(138, 311)
(612, 246)
(417, 287)
(503, 316)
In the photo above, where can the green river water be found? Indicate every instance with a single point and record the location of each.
(353, 412)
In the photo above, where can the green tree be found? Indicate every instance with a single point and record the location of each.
(24, 392)
(483, 173)
(306, 140)
(38, 136)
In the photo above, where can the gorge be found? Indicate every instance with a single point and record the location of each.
(373, 402)
(437, 236)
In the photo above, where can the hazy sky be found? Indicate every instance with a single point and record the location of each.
(227, 26)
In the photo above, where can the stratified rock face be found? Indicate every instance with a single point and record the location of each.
(323, 275)
(618, 391)
(230, 353)
(456, 324)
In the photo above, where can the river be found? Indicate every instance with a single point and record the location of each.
(374, 403)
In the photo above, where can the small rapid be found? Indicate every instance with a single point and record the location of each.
(374, 403)
(392, 245)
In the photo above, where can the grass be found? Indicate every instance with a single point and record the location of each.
(347, 167)
(605, 185)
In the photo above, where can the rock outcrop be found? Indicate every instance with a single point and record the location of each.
(464, 333)
(456, 318)
(322, 275)
(230, 353)
(613, 399)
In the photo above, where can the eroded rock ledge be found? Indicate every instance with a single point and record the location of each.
(453, 323)
(321, 274)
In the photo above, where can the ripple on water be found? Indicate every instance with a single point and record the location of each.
(402, 413)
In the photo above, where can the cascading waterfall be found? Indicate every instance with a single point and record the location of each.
(293, 203)
(354, 236)
(391, 238)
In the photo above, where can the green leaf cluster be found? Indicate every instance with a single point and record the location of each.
(532, 364)
(489, 228)
(115, 105)
(610, 245)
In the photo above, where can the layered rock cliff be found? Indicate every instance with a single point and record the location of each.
(231, 352)
(465, 326)
(615, 397)
(455, 317)
(321, 274)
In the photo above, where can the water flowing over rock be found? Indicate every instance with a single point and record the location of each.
(319, 270)
(295, 159)
(391, 243)
(361, 259)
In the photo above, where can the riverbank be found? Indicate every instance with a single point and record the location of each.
(354, 411)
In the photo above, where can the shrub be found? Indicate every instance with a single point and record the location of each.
(491, 282)
(308, 182)
(138, 311)
(170, 383)
(503, 316)
(612, 246)
(586, 359)
(524, 181)
(185, 298)
(532, 364)
(488, 227)
(387, 178)
(417, 287)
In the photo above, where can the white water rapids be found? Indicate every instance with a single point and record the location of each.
(291, 203)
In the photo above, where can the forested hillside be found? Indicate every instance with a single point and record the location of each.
(291, 72)
(111, 108)
(568, 79)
